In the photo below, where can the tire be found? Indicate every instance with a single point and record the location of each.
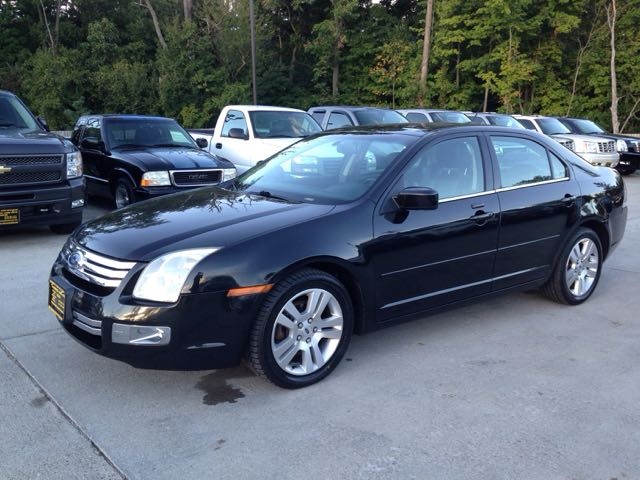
(123, 193)
(577, 270)
(626, 170)
(293, 347)
(64, 228)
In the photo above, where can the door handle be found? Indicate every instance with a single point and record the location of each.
(481, 217)
(218, 145)
(568, 199)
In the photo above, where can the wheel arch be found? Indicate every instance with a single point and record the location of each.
(601, 231)
(344, 275)
(119, 173)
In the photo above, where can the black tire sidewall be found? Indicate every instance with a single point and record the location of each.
(569, 297)
(271, 367)
(127, 185)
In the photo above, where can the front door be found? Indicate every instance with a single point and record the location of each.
(429, 258)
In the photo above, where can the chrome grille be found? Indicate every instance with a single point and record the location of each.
(607, 147)
(195, 178)
(568, 144)
(634, 146)
(94, 268)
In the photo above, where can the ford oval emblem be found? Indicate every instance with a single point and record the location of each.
(76, 260)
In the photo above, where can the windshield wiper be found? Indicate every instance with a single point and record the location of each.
(267, 194)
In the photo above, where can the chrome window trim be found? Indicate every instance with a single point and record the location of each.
(526, 185)
(463, 197)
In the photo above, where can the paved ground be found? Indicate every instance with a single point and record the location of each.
(517, 387)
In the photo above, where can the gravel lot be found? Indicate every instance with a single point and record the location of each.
(516, 387)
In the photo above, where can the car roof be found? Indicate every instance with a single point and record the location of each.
(264, 108)
(347, 107)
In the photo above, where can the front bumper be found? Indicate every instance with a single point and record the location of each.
(45, 205)
(602, 159)
(200, 331)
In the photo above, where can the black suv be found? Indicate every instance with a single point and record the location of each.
(40, 173)
(135, 157)
(628, 147)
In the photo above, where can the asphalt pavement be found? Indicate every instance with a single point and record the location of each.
(516, 387)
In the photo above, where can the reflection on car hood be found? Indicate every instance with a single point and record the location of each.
(171, 158)
(269, 146)
(15, 141)
(206, 217)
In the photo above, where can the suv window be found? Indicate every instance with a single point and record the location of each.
(318, 116)
(338, 119)
(452, 167)
(234, 119)
(523, 162)
(417, 117)
(528, 124)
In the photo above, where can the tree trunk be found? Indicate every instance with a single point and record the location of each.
(188, 10)
(46, 24)
(156, 24)
(611, 22)
(581, 52)
(335, 91)
(57, 28)
(426, 51)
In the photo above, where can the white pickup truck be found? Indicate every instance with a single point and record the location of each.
(246, 134)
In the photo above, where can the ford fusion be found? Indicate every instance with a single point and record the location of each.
(340, 233)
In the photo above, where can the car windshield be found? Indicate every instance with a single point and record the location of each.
(146, 132)
(283, 124)
(552, 126)
(14, 115)
(378, 116)
(586, 127)
(504, 121)
(450, 117)
(328, 169)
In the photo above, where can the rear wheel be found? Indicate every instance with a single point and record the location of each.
(123, 193)
(577, 270)
(302, 330)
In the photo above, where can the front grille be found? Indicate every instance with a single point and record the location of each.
(15, 160)
(607, 147)
(568, 144)
(195, 178)
(94, 268)
(20, 178)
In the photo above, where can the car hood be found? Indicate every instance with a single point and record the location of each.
(172, 158)
(206, 217)
(18, 142)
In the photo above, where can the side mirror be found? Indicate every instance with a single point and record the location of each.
(92, 143)
(417, 198)
(238, 133)
(202, 142)
(43, 123)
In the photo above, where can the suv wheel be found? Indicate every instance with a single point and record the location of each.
(123, 193)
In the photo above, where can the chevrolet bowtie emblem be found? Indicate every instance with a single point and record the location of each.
(4, 169)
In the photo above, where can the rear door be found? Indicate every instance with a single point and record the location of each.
(428, 258)
(539, 204)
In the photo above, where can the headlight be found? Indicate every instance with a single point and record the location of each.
(155, 179)
(621, 146)
(162, 280)
(74, 165)
(228, 174)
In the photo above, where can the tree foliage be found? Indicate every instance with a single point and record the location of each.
(68, 57)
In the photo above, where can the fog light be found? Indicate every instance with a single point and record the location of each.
(77, 203)
(140, 335)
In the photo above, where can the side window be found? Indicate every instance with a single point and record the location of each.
(558, 169)
(337, 120)
(77, 132)
(521, 161)
(417, 117)
(92, 129)
(528, 124)
(452, 167)
(234, 119)
(318, 116)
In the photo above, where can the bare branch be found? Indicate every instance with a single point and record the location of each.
(156, 23)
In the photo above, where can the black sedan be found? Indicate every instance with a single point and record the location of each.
(342, 232)
(135, 157)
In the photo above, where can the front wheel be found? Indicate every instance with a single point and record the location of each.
(303, 329)
(577, 270)
(123, 193)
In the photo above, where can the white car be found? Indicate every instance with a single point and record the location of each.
(595, 150)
